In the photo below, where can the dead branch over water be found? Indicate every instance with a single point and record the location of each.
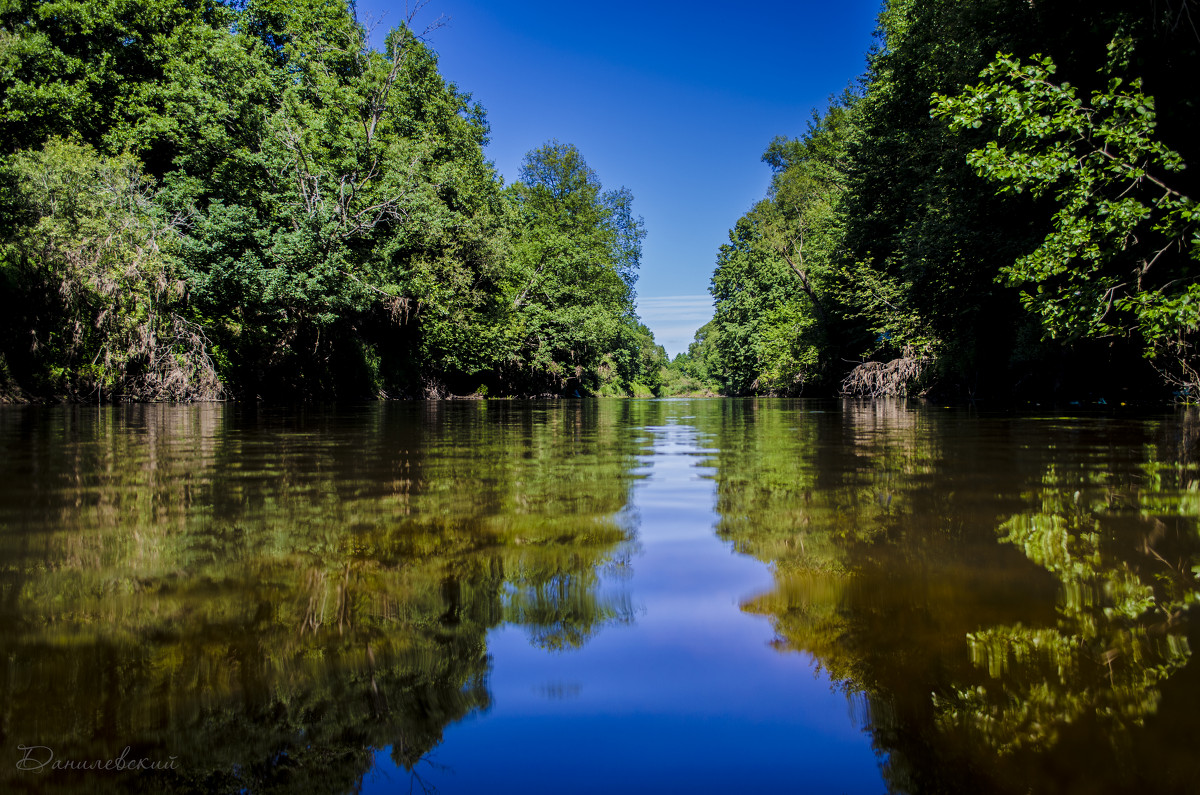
(897, 378)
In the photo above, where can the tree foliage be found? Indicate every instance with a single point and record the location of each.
(575, 253)
(1120, 256)
(775, 284)
(322, 212)
(975, 224)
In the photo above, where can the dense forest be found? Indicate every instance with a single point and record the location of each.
(998, 208)
(207, 199)
(245, 199)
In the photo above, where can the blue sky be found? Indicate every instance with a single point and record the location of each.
(674, 100)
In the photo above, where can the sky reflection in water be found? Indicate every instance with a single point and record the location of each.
(691, 697)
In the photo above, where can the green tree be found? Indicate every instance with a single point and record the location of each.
(575, 256)
(357, 246)
(924, 237)
(322, 211)
(1121, 256)
(95, 70)
(775, 285)
(93, 283)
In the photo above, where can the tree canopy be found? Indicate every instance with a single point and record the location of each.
(246, 199)
(1000, 208)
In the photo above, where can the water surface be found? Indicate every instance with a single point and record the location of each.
(589, 596)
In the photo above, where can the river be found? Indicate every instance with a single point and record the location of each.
(734, 595)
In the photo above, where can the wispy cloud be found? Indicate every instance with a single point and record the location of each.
(675, 318)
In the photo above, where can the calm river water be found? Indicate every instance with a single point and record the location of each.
(597, 596)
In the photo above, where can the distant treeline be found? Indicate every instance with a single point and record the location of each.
(999, 209)
(202, 199)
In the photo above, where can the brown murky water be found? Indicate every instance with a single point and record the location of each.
(678, 595)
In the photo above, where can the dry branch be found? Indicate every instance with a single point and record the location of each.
(897, 378)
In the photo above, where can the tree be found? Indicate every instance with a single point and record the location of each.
(349, 237)
(1120, 259)
(575, 259)
(777, 306)
(924, 237)
(93, 283)
(323, 213)
(94, 69)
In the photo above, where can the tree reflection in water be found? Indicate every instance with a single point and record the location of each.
(1038, 663)
(271, 597)
(275, 597)
(1123, 547)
